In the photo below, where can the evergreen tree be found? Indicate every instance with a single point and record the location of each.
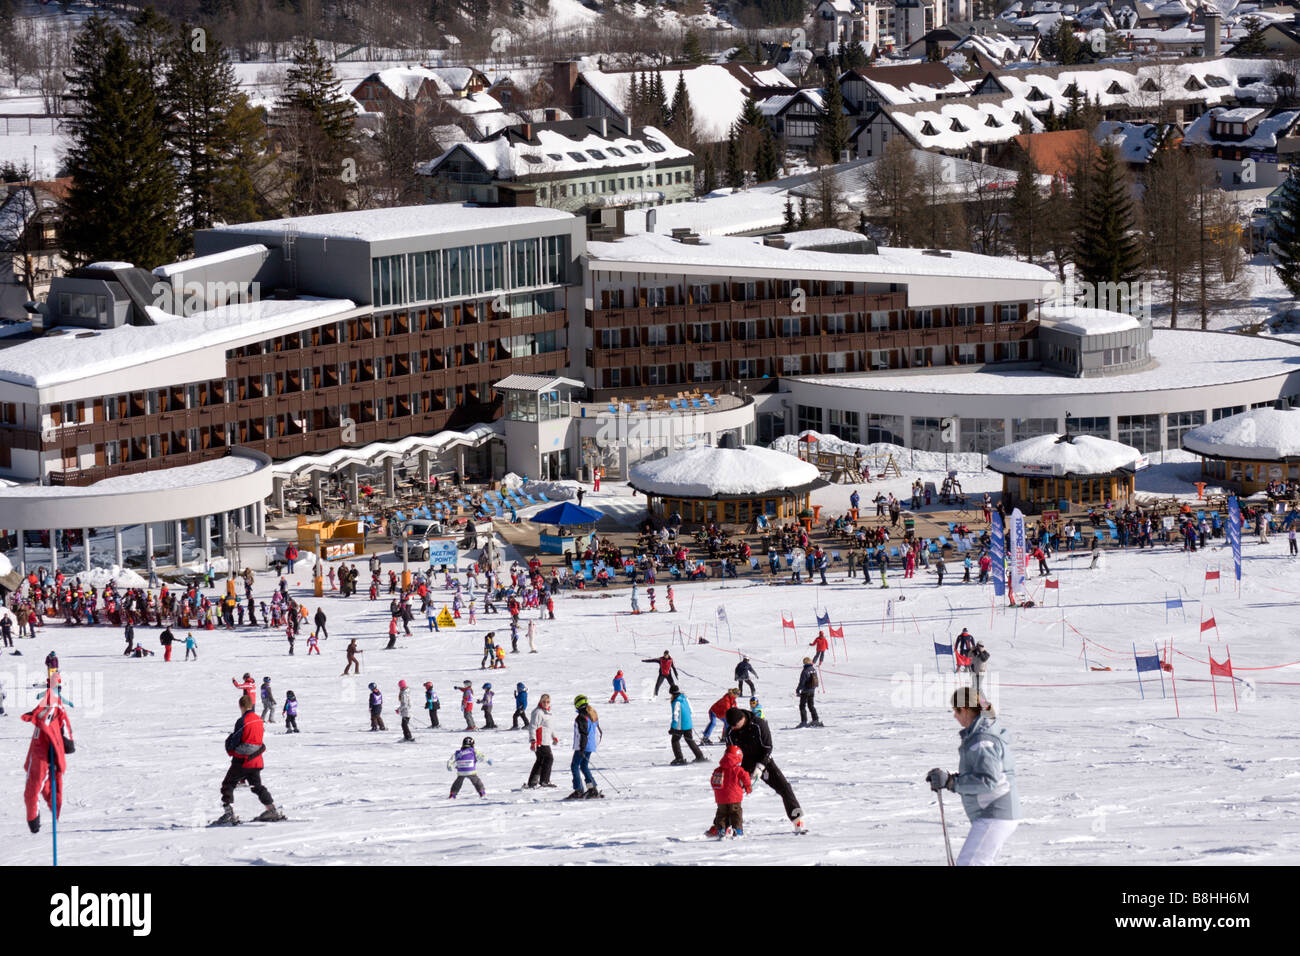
(691, 51)
(122, 203)
(632, 105)
(660, 114)
(1253, 43)
(735, 169)
(804, 218)
(1026, 210)
(832, 126)
(316, 119)
(854, 56)
(1286, 234)
(682, 123)
(1106, 251)
(766, 163)
(791, 223)
(208, 141)
(708, 179)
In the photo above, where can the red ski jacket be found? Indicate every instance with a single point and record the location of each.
(730, 781)
(246, 741)
(720, 708)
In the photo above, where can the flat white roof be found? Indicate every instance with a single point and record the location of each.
(182, 476)
(403, 222)
(1184, 359)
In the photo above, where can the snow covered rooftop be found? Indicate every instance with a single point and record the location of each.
(164, 479)
(473, 436)
(404, 222)
(555, 152)
(1183, 359)
(1261, 434)
(405, 82)
(916, 83)
(215, 258)
(1050, 455)
(1069, 318)
(1264, 136)
(69, 355)
(961, 124)
(722, 472)
(1133, 142)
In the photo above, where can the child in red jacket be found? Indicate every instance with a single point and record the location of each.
(730, 784)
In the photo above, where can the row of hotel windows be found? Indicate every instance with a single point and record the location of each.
(469, 270)
(983, 435)
(615, 184)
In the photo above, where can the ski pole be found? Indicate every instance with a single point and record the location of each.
(947, 845)
(607, 779)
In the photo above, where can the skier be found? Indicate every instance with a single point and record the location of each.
(165, 639)
(1043, 569)
(431, 703)
(486, 703)
(191, 646)
(465, 762)
(620, 687)
(806, 690)
(290, 713)
(730, 783)
(821, 644)
(718, 715)
(586, 737)
(756, 708)
(745, 674)
(532, 633)
(352, 653)
(682, 727)
(667, 670)
(489, 650)
(636, 606)
(962, 648)
(246, 686)
(985, 778)
(376, 708)
(404, 709)
(268, 700)
(521, 707)
(671, 605)
(245, 747)
(467, 704)
(539, 728)
(319, 620)
(51, 737)
(751, 734)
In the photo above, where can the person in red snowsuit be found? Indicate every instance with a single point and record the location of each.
(821, 644)
(730, 783)
(247, 686)
(51, 731)
(245, 747)
(667, 670)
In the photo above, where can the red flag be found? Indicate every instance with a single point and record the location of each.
(1052, 583)
(1220, 670)
(787, 623)
(837, 632)
(1211, 575)
(1208, 624)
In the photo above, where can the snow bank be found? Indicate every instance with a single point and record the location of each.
(1262, 434)
(555, 490)
(709, 472)
(1048, 455)
(121, 577)
(965, 462)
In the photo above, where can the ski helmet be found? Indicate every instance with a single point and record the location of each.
(753, 702)
(401, 683)
(487, 686)
(520, 686)
(580, 701)
(467, 742)
(428, 684)
(266, 680)
(372, 686)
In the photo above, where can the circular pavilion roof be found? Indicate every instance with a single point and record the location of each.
(723, 473)
(1052, 455)
(1261, 434)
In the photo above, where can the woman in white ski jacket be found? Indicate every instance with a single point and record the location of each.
(404, 709)
(985, 779)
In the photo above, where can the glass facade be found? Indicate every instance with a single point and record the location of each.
(1176, 423)
(844, 424)
(1100, 427)
(1140, 431)
(982, 435)
(927, 434)
(885, 428)
(480, 269)
(810, 416)
(1022, 428)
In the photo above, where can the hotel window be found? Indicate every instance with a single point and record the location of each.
(966, 355)
(655, 297)
(835, 323)
(791, 325)
(837, 361)
(1176, 423)
(844, 425)
(1226, 412)
(657, 335)
(1022, 428)
(525, 267)
(1100, 427)
(1008, 313)
(792, 364)
(965, 315)
(923, 319)
(700, 294)
(491, 267)
(701, 332)
(702, 371)
(657, 375)
(747, 368)
(983, 435)
(810, 417)
(555, 253)
(1140, 431)
(388, 280)
(611, 338)
(885, 428)
(458, 262)
(746, 330)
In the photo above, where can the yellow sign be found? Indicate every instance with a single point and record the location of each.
(445, 619)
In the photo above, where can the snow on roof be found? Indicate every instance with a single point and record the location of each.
(405, 82)
(1261, 434)
(473, 103)
(404, 222)
(717, 95)
(720, 213)
(1265, 136)
(734, 252)
(1132, 142)
(164, 479)
(1183, 359)
(1242, 114)
(821, 237)
(1070, 318)
(715, 472)
(994, 46)
(110, 265)
(554, 152)
(67, 356)
(212, 259)
(961, 124)
(1048, 454)
(474, 435)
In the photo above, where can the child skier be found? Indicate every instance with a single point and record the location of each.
(650, 593)
(636, 605)
(404, 709)
(268, 700)
(620, 687)
(313, 644)
(191, 646)
(671, 606)
(465, 762)
(501, 659)
(489, 650)
(756, 708)
(467, 704)
(730, 784)
(376, 709)
(290, 713)
(486, 703)
(521, 707)
(431, 703)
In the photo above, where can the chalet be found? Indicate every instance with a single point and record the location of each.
(419, 84)
(1251, 147)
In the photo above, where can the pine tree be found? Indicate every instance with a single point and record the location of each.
(632, 105)
(1286, 234)
(660, 114)
(682, 123)
(1253, 43)
(855, 56)
(208, 142)
(1026, 209)
(122, 203)
(765, 158)
(791, 223)
(1106, 251)
(691, 51)
(804, 218)
(316, 119)
(832, 126)
(708, 179)
(735, 169)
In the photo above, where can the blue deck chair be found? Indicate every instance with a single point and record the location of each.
(542, 495)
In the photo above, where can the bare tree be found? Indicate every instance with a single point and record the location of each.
(1171, 235)
(893, 185)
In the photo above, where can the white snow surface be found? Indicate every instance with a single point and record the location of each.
(164, 479)
(706, 472)
(1071, 318)
(1085, 772)
(1265, 135)
(1261, 434)
(406, 222)
(1081, 455)
(57, 358)
(552, 153)
(212, 259)
(966, 462)
(110, 265)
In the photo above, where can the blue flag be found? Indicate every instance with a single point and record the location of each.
(823, 620)
(942, 649)
(1171, 603)
(1148, 663)
(999, 556)
(1234, 534)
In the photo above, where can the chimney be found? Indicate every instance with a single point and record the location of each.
(776, 241)
(528, 131)
(686, 236)
(603, 128)
(564, 79)
(1211, 45)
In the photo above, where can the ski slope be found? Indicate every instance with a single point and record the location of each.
(1104, 776)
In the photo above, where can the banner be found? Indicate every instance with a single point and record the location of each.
(999, 556)
(1234, 534)
(1017, 549)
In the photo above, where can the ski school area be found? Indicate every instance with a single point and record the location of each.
(1149, 700)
